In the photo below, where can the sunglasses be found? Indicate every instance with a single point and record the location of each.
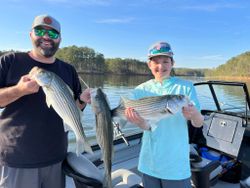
(163, 49)
(40, 32)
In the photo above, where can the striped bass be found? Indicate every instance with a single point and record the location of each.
(60, 97)
(152, 109)
(104, 131)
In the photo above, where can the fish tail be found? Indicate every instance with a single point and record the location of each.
(107, 182)
(79, 147)
(82, 146)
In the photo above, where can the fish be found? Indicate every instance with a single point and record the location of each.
(104, 131)
(60, 97)
(152, 109)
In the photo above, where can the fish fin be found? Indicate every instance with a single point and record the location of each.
(153, 125)
(85, 143)
(121, 106)
(82, 146)
(79, 148)
(70, 90)
(107, 182)
(87, 148)
(124, 100)
(48, 102)
(66, 127)
(169, 110)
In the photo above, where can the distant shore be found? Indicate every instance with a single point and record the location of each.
(238, 78)
(108, 73)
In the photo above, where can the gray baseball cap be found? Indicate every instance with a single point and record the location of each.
(46, 20)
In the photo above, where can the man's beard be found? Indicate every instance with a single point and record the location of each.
(46, 51)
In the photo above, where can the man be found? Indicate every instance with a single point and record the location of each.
(164, 156)
(32, 139)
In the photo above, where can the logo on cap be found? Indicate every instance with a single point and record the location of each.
(158, 47)
(47, 20)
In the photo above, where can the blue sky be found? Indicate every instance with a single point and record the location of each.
(202, 33)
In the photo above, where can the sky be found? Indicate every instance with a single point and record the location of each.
(202, 33)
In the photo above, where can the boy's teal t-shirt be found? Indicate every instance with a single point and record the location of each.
(165, 150)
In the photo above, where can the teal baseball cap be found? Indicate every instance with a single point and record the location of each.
(160, 48)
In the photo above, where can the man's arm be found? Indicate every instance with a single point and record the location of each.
(25, 86)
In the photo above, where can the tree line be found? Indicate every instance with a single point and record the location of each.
(238, 66)
(87, 60)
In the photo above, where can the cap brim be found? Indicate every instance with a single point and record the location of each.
(46, 25)
(160, 54)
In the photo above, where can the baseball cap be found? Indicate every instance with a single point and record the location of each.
(160, 48)
(46, 20)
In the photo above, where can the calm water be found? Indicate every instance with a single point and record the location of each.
(117, 86)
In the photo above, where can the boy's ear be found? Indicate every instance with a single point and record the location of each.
(173, 62)
(148, 63)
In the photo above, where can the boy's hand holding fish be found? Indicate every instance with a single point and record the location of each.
(191, 113)
(135, 118)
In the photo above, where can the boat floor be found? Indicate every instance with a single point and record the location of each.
(126, 157)
(220, 184)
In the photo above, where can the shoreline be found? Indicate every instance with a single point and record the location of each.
(205, 77)
(238, 78)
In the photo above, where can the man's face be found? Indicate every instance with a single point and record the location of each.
(45, 41)
(160, 67)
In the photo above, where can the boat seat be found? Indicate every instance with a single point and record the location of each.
(86, 174)
(245, 183)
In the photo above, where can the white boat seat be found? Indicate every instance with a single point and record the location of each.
(84, 172)
(123, 178)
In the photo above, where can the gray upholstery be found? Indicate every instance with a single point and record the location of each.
(121, 178)
(84, 166)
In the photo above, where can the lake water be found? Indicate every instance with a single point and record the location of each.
(121, 86)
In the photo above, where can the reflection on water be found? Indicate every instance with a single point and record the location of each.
(112, 80)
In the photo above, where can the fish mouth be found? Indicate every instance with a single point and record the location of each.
(34, 71)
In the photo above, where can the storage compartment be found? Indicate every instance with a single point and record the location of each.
(224, 133)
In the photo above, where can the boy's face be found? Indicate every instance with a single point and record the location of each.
(160, 67)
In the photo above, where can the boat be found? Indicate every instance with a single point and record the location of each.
(219, 151)
(219, 154)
